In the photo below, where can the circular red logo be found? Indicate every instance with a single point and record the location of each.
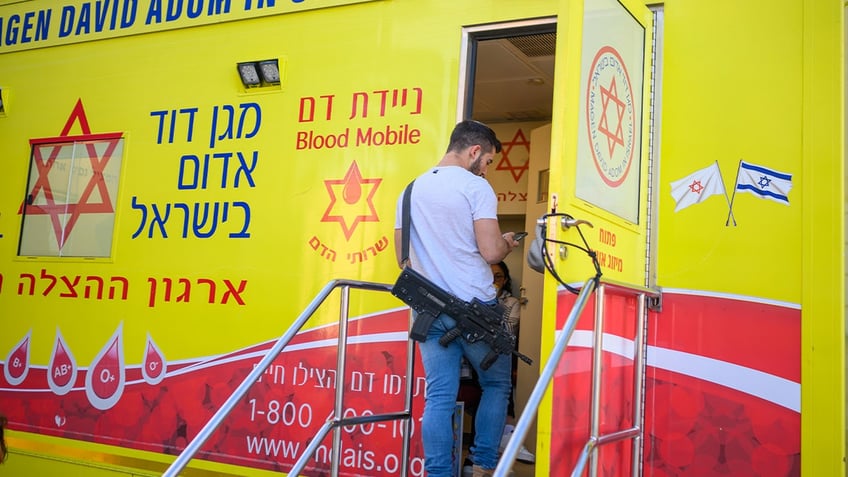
(610, 116)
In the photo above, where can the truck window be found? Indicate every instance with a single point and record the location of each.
(69, 206)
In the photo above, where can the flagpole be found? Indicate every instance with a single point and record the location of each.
(733, 197)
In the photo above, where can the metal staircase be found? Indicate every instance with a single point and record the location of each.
(336, 422)
(589, 455)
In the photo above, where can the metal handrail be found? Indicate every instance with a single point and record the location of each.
(546, 377)
(194, 446)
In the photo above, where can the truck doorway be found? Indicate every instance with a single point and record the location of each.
(507, 82)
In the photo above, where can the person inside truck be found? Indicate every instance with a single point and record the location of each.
(503, 284)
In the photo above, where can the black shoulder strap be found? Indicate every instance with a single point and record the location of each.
(406, 224)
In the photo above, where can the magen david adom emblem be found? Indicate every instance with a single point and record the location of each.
(610, 116)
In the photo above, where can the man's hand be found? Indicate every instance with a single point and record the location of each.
(510, 240)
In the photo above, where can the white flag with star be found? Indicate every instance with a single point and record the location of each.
(697, 187)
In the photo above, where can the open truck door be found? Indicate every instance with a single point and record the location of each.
(598, 213)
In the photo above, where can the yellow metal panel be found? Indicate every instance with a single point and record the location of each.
(823, 276)
(723, 103)
(349, 50)
(35, 455)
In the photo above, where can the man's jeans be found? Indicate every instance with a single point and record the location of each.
(441, 367)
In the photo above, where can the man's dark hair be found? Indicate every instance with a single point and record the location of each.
(470, 133)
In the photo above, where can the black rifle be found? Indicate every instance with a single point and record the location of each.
(475, 321)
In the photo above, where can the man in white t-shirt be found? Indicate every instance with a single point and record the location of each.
(454, 239)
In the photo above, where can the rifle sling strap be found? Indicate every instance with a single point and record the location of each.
(406, 224)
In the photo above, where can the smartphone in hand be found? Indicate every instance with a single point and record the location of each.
(518, 236)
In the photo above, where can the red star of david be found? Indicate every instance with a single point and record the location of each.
(352, 188)
(84, 205)
(506, 165)
(611, 95)
(696, 187)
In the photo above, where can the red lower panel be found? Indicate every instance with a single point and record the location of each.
(268, 429)
(722, 389)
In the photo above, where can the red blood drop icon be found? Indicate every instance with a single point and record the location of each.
(104, 382)
(352, 191)
(17, 363)
(61, 362)
(106, 372)
(153, 369)
(62, 370)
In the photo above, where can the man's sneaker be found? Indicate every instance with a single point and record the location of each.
(523, 455)
(467, 468)
(478, 471)
(507, 434)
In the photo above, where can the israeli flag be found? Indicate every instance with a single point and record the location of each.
(764, 182)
